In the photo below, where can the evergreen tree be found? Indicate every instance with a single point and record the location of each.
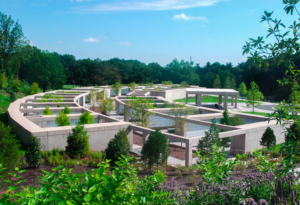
(233, 84)
(86, 118)
(254, 96)
(10, 154)
(217, 82)
(67, 110)
(117, 147)
(78, 142)
(268, 139)
(47, 111)
(227, 83)
(62, 119)
(156, 149)
(225, 120)
(211, 137)
(33, 153)
(242, 89)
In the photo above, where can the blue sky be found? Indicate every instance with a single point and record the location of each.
(146, 30)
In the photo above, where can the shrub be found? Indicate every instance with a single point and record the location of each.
(156, 149)
(12, 96)
(25, 87)
(78, 142)
(205, 144)
(16, 85)
(268, 139)
(62, 119)
(9, 151)
(33, 153)
(3, 81)
(117, 147)
(184, 84)
(34, 89)
(106, 105)
(47, 111)
(86, 118)
(225, 120)
(237, 120)
(58, 105)
(67, 110)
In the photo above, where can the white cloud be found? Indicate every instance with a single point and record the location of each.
(148, 5)
(126, 43)
(59, 42)
(91, 40)
(31, 43)
(184, 17)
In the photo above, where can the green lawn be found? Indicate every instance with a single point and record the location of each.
(276, 148)
(207, 99)
(258, 113)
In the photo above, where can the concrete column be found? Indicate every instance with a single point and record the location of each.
(129, 133)
(188, 153)
(232, 100)
(187, 98)
(220, 99)
(225, 101)
(83, 101)
(43, 124)
(198, 99)
(235, 102)
(145, 137)
(126, 118)
(117, 107)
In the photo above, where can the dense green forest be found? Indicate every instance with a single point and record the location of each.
(19, 60)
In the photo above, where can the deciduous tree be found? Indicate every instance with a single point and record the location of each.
(254, 96)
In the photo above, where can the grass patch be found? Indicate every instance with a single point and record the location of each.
(258, 113)
(208, 99)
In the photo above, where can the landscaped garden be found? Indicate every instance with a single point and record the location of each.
(207, 99)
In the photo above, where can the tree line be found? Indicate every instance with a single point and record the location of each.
(51, 70)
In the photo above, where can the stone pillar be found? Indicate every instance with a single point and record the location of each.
(83, 101)
(126, 117)
(188, 153)
(43, 124)
(187, 98)
(231, 100)
(225, 101)
(235, 102)
(145, 137)
(117, 108)
(198, 99)
(220, 100)
(129, 133)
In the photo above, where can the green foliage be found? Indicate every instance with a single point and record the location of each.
(268, 139)
(166, 105)
(137, 108)
(254, 96)
(86, 118)
(225, 120)
(175, 86)
(117, 147)
(3, 81)
(293, 133)
(33, 153)
(47, 111)
(242, 89)
(78, 142)
(9, 152)
(106, 105)
(15, 85)
(132, 86)
(184, 84)
(167, 83)
(227, 83)
(116, 88)
(62, 119)
(214, 166)
(217, 82)
(205, 144)
(104, 185)
(156, 149)
(42, 101)
(12, 96)
(58, 105)
(34, 89)
(237, 120)
(233, 84)
(67, 110)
